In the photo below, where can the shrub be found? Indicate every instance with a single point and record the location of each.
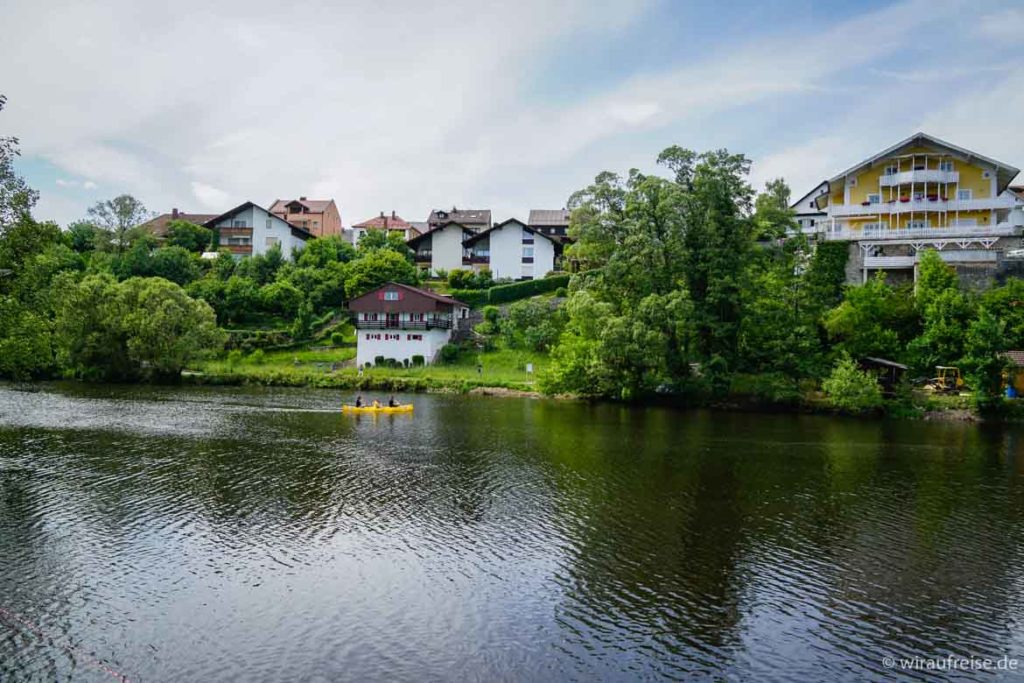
(562, 292)
(852, 389)
(378, 360)
(256, 357)
(418, 360)
(526, 288)
(234, 357)
(492, 314)
(337, 339)
(461, 279)
(474, 298)
(449, 352)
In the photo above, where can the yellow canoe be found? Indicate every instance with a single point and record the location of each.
(404, 408)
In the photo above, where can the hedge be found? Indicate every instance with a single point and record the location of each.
(477, 298)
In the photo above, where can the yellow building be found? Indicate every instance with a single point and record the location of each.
(922, 193)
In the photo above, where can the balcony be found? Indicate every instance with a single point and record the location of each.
(439, 324)
(949, 256)
(930, 175)
(920, 205)
(423, 256)
(844, 232)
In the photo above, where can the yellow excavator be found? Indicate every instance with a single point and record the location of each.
(947, 380)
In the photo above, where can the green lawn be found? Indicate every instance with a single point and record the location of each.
(501, 366)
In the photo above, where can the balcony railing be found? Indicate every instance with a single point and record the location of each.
(439, 324)
(844, 232)
(921, 205)
(931, 175)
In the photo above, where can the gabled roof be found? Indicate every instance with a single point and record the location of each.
(821, 188)
(498, 226)
(549, 217)
(384, 222)
(158, 224)
(296, 230)
(1016, 358)
(464, 216)
(418, 238)
(1004, 172)
(414, 290)
(314, 205)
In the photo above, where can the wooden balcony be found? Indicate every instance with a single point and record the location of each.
(439, 324)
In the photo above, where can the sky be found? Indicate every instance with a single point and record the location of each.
(409, 106)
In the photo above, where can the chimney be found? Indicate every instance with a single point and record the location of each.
(302, 199)
(392, 214)
(382, 214)
(174, 214)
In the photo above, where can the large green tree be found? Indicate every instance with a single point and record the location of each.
(16, 197)
(119, 216)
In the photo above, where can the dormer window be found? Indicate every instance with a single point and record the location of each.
(391, 295)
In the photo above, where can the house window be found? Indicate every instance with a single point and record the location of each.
(391, 295)
(964, 222)
(964, 195)
(892, 170)
(414, 337)
(271, 241)
(917, 224)
(527, 238)
(370, 316)
(811, 222)
(239, 223)
(527, 252)
(270, 223)
(946, 165)
(874, 198)
(918, 196)
(416, 317)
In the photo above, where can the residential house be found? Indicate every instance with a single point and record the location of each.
(157, 226)
(401, 322)
(513, 250)
(807, 213)
(473, 220)
(552, 222)
(249, 230)
(441, 248)
(318, 217)
(923, 193)
(392, 223)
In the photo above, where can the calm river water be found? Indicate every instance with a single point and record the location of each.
(246, 535)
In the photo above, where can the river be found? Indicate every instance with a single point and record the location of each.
(259, 535)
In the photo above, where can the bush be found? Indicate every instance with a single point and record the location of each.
(526, 288)
(418, 360)
(474, 298)
(851, 389)
(234, 357)
(449, 352)
(562, 292)
(378, 360)
(492, 314)
(256, 357)
(337, 339)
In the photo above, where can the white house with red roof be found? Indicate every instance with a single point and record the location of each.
(402, 322)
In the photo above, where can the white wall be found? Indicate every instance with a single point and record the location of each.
(507, 254)
(446, 248)
(256, 218)
(369, 347)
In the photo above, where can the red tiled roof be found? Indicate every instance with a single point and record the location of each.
(385, 222)
(314, 205)
(1016, 358)
(158, 225)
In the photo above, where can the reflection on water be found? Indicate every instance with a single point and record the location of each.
(260, 535)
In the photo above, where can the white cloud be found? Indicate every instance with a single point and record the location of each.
(1005, 25)
(405, 106)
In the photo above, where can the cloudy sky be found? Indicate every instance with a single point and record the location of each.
(506, 105)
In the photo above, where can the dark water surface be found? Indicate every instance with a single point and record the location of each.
(245, 535)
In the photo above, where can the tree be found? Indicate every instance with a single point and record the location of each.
(119, 215)
(16, 198)
(533, 324)
(302, 327)
(375, 268)
(851, 389)
(320, 252)
(874, 319)
(85, 237)
(141, 327)
(984, 360)
(281, 298)
(26, 347)
(188, 236)
(773, 219)
(934, 277)
(1006, 303)
(393, 240)
(176, 264)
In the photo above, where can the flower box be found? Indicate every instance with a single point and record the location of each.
(865, 203)
(933, 197)
(904, 200)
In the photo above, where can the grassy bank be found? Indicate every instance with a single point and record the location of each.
(501, 368)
